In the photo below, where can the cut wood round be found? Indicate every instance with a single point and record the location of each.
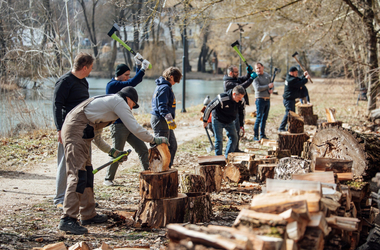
(159, 213)
(265, 171)
(331, 124)
(159, 158)
(293, 142)
(306, 112)
(192, 183)
(295, 122)
(213, 175)
(159, 185)
(341, 143)
(235, 172)
(198, 208)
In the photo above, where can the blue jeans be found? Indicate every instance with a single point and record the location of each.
(160, 128)
(120, 134)
(61, 178)
(262, 109)
(218, 133)
(290, 105)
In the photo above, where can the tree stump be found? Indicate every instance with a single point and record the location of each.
(198, 208)
(279, 154)
(191, 183)
(159, 185)
(213, 175)
(293, 142)
(345, 144)
(306, 112)
(159, 213)
(296, 123)
(159, 158)
(235, 172)
(265, 171)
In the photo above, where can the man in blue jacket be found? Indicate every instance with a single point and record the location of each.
(225, 107)
(292, 91)
(163, 108)
(119, 132)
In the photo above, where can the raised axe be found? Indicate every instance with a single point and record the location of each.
(295, 58)
(111, 162)
(112, 34)
(276, 70)
(235, 47)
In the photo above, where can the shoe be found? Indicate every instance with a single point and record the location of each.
(71, 225)
(108, 183)
(239, 151)
(255, 138)
(281, 130)
(99, 218)
(60, 206)
(96, 204)
(264, 137)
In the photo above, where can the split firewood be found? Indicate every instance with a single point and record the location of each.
(240, 157)
(213, 175)
(296, 123)
(236, 172)
(159, 158)
(330, 114)
(313, 239)
(318, 220)
(191, 183)
(80, 246)
(296, 224)
(295, 187)
(330, 204)
(160, 185)
(325, 177)
(104, 246)
(343, 223)
(55, 246)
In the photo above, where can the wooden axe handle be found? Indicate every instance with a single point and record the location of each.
(295, 58)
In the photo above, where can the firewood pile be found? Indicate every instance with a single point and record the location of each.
(78, 246)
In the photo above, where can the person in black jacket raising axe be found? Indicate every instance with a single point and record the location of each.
(292, 91)
(232, 80)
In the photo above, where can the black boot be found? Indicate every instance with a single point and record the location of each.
(96, 219)
(71, 225)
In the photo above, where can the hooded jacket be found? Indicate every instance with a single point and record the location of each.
(231, 82)
(224, 109)
(293, 87)
(163, 100)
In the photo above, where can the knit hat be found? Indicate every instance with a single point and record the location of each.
(121, 69)
(131, 93)
(292, 69)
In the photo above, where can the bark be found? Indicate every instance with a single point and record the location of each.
(198, 208)
(293, 142)
(90, 23)
(306, 112)
(159, 185)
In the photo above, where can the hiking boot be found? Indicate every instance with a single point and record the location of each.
(71, 225)
(239, 151)
(99, 218)
(264, 137)
(108, 183)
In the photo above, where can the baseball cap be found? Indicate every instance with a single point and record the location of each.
(131, 93)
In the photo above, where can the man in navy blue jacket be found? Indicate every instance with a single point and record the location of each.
(225, 108)
(119, 132)
(292, 91)
(163, 108)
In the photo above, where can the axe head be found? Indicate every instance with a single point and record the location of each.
(235, 44)
(115, 28)
(296, 53)
(277, 70)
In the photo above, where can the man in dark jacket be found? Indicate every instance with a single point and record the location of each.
(292, 91)
(119, 132)
(70, 90)
(225, 107)
(163, 108)
(232, 80)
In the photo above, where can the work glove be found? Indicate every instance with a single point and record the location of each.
(253, 75)
(241, 132)
(114, 153)
(159, 140)
(138, 58)
(170, 121)
(145, 64)
(249, 69)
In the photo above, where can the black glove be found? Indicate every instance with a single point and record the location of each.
(249, 69)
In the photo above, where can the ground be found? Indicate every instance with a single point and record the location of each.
(29, 219)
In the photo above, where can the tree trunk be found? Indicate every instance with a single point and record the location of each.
(345, 144)
(213, 176)
(159, 185)
(198, 208)
(293, 142)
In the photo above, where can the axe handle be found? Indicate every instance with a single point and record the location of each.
(110, 162)
(209, 138)
(241, 56)
(295, 58)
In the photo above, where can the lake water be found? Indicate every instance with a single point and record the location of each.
(35, 106)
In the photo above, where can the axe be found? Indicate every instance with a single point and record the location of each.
(295, 58)
(211, 148)
(110, 162)
(112, 34)
(235, 47)
(274, 75)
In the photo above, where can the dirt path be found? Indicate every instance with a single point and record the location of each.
(37, 184)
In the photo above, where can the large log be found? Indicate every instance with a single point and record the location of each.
(345, 144)
(159, 185)
(306, 112)
(335, 165)
(213, 175)
(159, 158)
(192, 183)
(296, 123)
(235, 172)
(198, 208)
(293, 142)
(159, 213)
